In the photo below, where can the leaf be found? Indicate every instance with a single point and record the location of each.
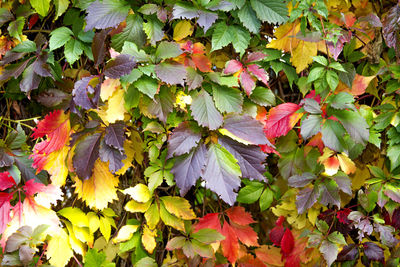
(171, 73)
(179, 207)
(274, 11)
(133, 32)
(85, 156)
(206, 19)
(41, 7)
(332, 79)
(30, 80)
(266, 199)
(301, 180)
(120, 66)
(162, 105)
(182, 30)
(240, 39)
(247, 82)
(248, 18)
(73, 50)
(287, 242)
(188, 168)
(348, 253)
(263, 96)
(305, 199)
(75, 215)
(147, 86)
(281, 119)
(15, 28)
(222, 173)
(207, 236)
(227, 99)
(100, 189)
(373, 252)
(193, 79)
(393, 153)
(139, 193)
(360, 84)
(250, 158)
(153, 30)
(354, 124)
(332, 134)
(6, 181)
(330, 251)
(170, 219)
(239, 215)
(250, 193)
(61, 7)
(115, 135)
(310, 126)
(210, 220)
(176, 243)
(303, 55)
(244, 129)
(59, 37)
(168, 50)
(204, 111)
(182, 140)
(116, 110)
(285, 39)
(329, 193)
(152, 216)
(270, 255)
(81, 91)
(93, 258)
(230, 245)
(391, 28)
(99, 46)
(59, 250)
(221, 36)
(105, 14)
(125, 233)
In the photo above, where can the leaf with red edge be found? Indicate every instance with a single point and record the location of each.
(281, 119)
(260, 73)
(247, 82)
(6, 181)
(230, 245)
(239, 215)
(287, 243)
(31, 187)
(232, 66)
(245, 234)
(210, 220)
(5, 208)
(202, 62)
(256, 56)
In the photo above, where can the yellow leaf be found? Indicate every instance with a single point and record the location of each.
(108, 87)
(170, 219)
(75, 216)
(285, 37)
(125, 233)
(105, 228)
(59, 250)
(182, 29)
(359, 178)
(48, 196)
(94, 222)
(303, 55)
(116, 109)
(133, 206)
(346, 164)
(148, 239)
(152, 216)
(130, 152)
(100, 189)
(83, 234)
(75, 243)
(139, 193)
(178, 206)
(56, 167)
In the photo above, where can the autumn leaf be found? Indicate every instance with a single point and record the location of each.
(59, 250)
(360, 84)
(281, 119)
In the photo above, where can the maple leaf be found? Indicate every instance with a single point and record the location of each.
(281, 119)
(100, 188)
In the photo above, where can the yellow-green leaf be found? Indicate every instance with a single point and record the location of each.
(125, 233)
(152, 216)
(139, 193)
(169, 219)
(94, 222)
(178, 206)
(182, 29)
(105, 228)
(75, 216)
(59, 250)
(134, 206)
(41, 6)
(148, 239)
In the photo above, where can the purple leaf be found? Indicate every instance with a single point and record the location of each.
(204, 111)
(5, 158)
(52, 97)
(115, 135)
(391, 28)
(99, 46)
(372, 19)
(373, 252)
(14, 70)
(162, 104)
(81, 92)
(222, 173)
(246, 129)
(171, 73)
(305, 199)
(120, 66)
(260, 73)
(336, 49)
(86, 153)
(40, 66)
(348, 253)
(301, 180)
(26, 254)
(183, 11)
(247, 82)
(105, 14)
(250, 158)
(386, 234)
(343, 183)
(329, 193)
(188, 168)
(193, 79)
(30, 80)
(206, 19)
(182, 140)
(111, 155)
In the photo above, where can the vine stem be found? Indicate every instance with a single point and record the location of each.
(77, 261)
(326, 45)
(41, 255)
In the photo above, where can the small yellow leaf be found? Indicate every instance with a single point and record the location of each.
(105, 228)
(125, 233)
(100, 189)
(303, 55)
(56, 167)
(346, 164)
(139, 193)
(148, 239)
(59, 250)
(83, 234)
(75, 243)
(108, 87)
(152, 216)
(130, 152)
(182, 29)
(285, 37)
(178, 206)
(170, 219)
(94, 222)
(116, 109)
(75, 215)
(134, 206)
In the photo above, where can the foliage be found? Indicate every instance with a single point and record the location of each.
(200, 133)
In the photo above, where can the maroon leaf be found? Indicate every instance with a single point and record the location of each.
(86, 153)
(14, 70)
(305, 199)
(30, 80)
(81, 92)
(115, 135)
(105, 14)
(120, 66)
(391, 28)
(373, 252)
(99, 46)
(162, 104)
(287, 243)
(40, 66)
(348, 253)
(246, 128)
(276, 235)
(171, 73)
(52, 97)
(301, 180)
(182, 140)
(188, 168)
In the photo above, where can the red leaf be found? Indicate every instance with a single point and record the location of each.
(5, 208)
(316, 141)
(280, 221)
(31, 187)
(210, 220)
(6, 181)
(292, 261)
(202, 62)
(287, 243)
(233, 66)
(342, 215)
(256, 56)
(239, 215)
(32, 21)
(260, 73)
(230, 245)
(245, 234)
(276, 235)
(281, 119)
(247, 82)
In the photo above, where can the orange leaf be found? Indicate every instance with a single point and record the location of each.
(245, 234)
(270, 255)
(360, 83)
(331, 165)
(239, 215)
(230, 245)
(202, 62)
(210, 220)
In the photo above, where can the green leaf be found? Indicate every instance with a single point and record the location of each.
(207, 236)
(227, 99)
(263, 96)
(73, 50)
(59, 37)
(130, 48)
(204, 111)
(271, 11)
(221, 36)
(41, 6)
(61, 7)
(153, 30)
(93, 258)
(337, 238)
(315, 74)
(337, 66)
(266, 199)
(322, 226)
(133, 32)
(15, 28)
(248, 18)
(393, 153)
(25, 47)
(367, 200)
(321, 60)
(240, 39)
(168, 50)
(147, 85)
(250, 193)
(310, 126)
(105, 14)
(332, 135)
(332, 79)
(354, 124)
